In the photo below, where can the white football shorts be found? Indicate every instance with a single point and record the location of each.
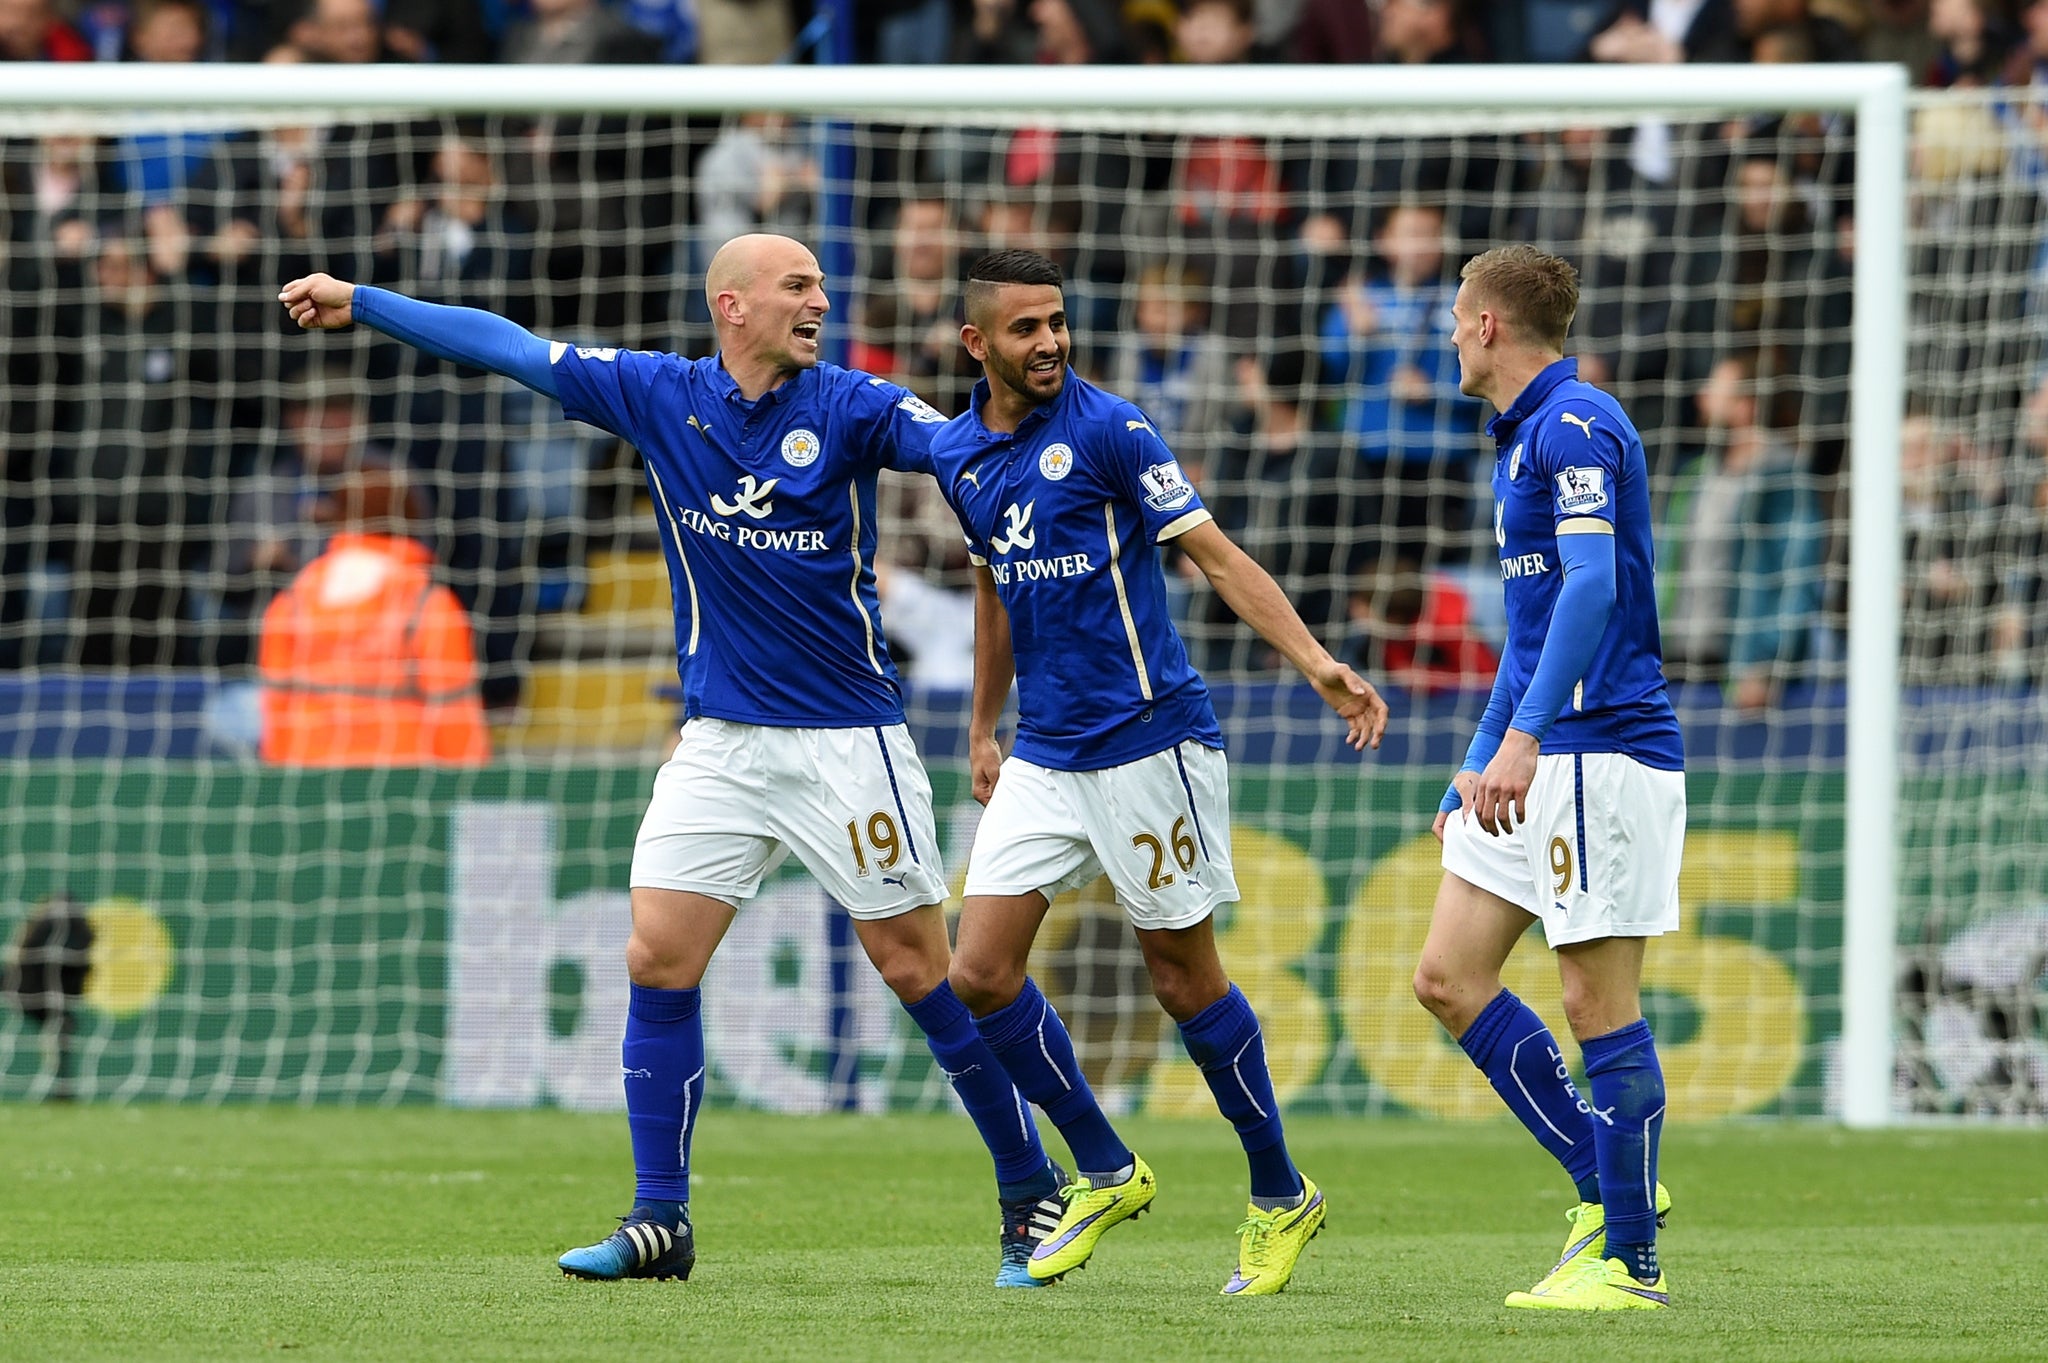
(1598, 856)
(853, 805)
(1159, 827)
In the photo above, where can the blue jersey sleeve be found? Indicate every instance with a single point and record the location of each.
(1578, 622)
(616, 390)
(900, 424)
(465, 335)
(1580, 452)
(1145, 469)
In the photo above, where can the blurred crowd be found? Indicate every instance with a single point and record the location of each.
(1277, 302)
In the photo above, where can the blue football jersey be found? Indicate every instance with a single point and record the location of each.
(766, 511)
(1568, 451)
(1068, 513)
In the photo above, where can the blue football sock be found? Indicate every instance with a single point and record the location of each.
(1224, 1041)
(670, 1213)
(1029, 1039)
(1627, 1086)
(1520, 1058)
(663, 1061)
(983, 1084)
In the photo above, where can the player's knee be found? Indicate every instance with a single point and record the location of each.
(1187, 975)
(1437, 991)
(984, 986)
(1589, 1012)
(1185, 992)
(650, 967)
(911, 975)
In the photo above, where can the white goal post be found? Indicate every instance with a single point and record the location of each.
(1876, 97)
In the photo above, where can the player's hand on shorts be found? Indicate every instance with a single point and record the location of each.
(984, 764)
(1502, 799)
(319, 302)
(1466, 783)
(1354, 698)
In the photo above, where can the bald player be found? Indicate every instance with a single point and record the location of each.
(762, 464)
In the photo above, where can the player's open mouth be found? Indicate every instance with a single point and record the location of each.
(1046, 368)
(807, 331)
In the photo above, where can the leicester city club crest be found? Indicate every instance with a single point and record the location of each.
(1056, 462)
(800, 448)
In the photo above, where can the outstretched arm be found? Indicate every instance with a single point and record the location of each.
(1251, 591)
(466, 335)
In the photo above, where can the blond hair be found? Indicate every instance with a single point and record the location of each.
(1537, 290)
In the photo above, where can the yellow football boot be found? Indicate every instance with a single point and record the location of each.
(1588, 1234)
(1594, 1285)
(1269, 1244)
(1090, 1212)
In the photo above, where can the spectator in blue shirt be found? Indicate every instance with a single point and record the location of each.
(1387, 341)
(1173, 366)
(154, 166)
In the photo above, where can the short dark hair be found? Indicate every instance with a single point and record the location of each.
(1538, 290)
(999, 268)
(1016, 267)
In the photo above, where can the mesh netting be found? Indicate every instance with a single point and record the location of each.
(1273, 292)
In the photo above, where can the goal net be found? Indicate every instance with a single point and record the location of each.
(1268, 275)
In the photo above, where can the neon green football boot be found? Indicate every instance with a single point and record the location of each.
(1269, 1244)
(1588, 1235)
(1594, 1285)
(1090, 1212)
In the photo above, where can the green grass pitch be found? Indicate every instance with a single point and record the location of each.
(263, 1233)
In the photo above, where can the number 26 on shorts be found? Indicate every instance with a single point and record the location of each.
(1183, 852)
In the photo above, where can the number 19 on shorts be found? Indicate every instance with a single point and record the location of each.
(882, 838)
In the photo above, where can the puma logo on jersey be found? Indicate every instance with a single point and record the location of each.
(970, 476)
(1017, 532)
(1584, 423)
(1139, 426)
(752, 501)
(699, 427)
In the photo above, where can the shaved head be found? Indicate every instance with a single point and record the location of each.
(768, 304)
(744, 259)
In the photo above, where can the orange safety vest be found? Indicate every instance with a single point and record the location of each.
(367, 663)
